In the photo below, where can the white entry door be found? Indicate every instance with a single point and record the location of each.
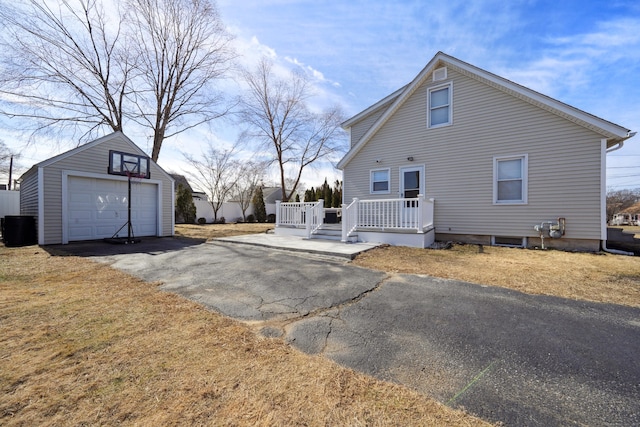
(97, 208)
(411, 184)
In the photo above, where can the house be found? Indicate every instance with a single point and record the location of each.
(74, 197)
(181, 180)
(629, 216)
(462, 154)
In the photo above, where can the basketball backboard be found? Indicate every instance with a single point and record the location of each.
(127, 164)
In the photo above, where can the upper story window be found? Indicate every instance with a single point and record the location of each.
(439, 99)
(380, 181)
(510, 180)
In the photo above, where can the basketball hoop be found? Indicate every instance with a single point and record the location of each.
(133, 167)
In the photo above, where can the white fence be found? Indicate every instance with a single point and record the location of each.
(230, 210)
(9, 203)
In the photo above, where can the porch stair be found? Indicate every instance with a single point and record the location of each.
(332, 232)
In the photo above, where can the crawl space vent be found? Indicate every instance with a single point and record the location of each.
(514, 242)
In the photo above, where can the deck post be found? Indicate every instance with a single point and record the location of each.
(308, 212)
(343, 206)
(421, 207)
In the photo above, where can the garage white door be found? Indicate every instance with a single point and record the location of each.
(97, 208)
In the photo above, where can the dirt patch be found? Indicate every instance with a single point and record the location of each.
(211, 231)
(83, 344)
(602, 278)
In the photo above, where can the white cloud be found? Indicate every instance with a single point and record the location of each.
(316, 75)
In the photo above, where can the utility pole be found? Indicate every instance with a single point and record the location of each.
(10, 171)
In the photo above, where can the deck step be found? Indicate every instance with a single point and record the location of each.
(331, 232)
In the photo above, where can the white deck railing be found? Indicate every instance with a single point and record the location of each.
(395, 214)
(291, 213)
(314, 216)
(349, 219)
(307, 215)
(404, 214)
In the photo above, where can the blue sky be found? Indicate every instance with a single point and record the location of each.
(584, 53)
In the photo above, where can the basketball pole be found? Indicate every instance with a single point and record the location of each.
(129, 165)
(131, 238)
(130, 227)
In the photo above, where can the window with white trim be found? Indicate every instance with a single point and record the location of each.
(380, 181)
(439, 100)
(510, 179)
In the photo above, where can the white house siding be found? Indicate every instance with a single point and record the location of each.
(563, 162)
(94, 160)
(361, 127)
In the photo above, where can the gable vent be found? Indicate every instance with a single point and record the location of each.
(439, 74)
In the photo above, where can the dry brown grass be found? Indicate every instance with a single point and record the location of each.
(601, 278)
(83, 344)
(211, 231)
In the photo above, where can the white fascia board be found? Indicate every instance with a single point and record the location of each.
(361, 115)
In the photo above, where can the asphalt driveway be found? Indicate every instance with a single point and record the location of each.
(502, 355)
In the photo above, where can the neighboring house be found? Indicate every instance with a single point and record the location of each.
(465, 155)
(629, 216)
(181, 181)
(74, 198)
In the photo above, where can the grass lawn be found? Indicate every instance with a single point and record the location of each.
(211, 231)
(84, 344)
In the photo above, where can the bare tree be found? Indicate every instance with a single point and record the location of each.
(183, 49)
(215, 172)
(8, 163)
(5, 158)
(277, 116)
(71, 64)
(249, 175)
(64, 64)
(619, 200)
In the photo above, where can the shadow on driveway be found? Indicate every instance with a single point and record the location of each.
(148, 245)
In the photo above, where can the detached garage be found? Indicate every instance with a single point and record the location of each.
(73, 197)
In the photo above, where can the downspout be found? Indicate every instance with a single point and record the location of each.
(615, 251)
(621, 142)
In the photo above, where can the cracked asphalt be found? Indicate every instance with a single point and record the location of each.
(505, 356)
